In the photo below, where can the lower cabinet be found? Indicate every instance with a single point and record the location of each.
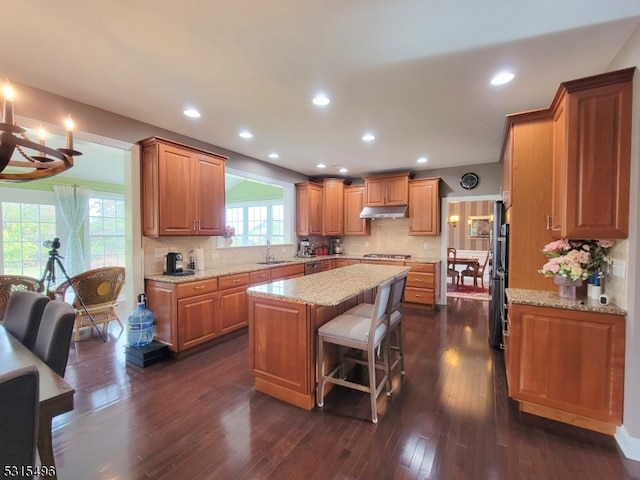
(345, 262)
(192, 313)
(567, 365)
(423, 283)
(287, 271)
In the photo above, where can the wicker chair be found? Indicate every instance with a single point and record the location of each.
(99, 290)
(13, 283)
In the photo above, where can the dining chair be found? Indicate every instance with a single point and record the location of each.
(452, 273)
(96, 295)
(23, 315)
(19, 391)
(12, 283)
(395, 319)
(362, 334)
(475, 273)
(54, 335)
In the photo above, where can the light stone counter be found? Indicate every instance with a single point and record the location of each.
(540, 298)
(331, 287)
(224, 270)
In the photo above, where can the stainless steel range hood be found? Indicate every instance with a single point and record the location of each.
(384, 212)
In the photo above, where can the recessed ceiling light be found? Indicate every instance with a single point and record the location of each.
(502, 78)
(343, 170)
(368, 137)
(274, 155)
(321, 100)
(246, 134)
(192, 112)
(321, 165)
(422, 160)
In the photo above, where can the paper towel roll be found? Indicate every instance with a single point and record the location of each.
(199, 259)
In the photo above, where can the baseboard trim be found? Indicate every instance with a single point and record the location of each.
(629, 445)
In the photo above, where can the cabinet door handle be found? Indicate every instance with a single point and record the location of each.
(419, 296)
(235, 281)
(549, 222)
(199, 287)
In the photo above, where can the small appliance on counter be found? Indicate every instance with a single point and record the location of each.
(174, 265)
(335, 246)
(305, 249)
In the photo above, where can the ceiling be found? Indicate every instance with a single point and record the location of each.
(414, 72)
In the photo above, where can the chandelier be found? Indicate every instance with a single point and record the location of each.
(38, 160)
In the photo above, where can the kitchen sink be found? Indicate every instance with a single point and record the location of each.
(274, 262)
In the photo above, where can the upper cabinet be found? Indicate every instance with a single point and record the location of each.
(182, 189)
(353, 203)
(309, 203)
(424, 207)
(333, 201)
(527, 157)
(591, 157)
(386, 190)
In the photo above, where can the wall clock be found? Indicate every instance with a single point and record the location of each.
(469, 181)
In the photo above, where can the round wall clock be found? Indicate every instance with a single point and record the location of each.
(469, 181)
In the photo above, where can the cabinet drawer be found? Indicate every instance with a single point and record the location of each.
(278, 273)
(422, 267)
(231, 281)
(260, 276)
(419, 295)
(420, 280)
(190, 289)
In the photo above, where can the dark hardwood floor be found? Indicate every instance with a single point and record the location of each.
(200, 418)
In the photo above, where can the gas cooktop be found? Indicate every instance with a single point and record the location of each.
(391, 256)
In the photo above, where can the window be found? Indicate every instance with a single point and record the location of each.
(106, 232)
(258, 210)
(255, 224)
(25, 226)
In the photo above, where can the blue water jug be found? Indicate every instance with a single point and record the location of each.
(140, 325)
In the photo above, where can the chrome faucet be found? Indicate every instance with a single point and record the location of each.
(269, 256)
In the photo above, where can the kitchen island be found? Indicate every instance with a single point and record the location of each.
(284, 318)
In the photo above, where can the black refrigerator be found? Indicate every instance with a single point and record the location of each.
(499, 274)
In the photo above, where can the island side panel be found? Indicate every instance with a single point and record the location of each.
(280, 347)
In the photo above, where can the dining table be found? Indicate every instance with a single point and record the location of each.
(56, 395)
(470, 262)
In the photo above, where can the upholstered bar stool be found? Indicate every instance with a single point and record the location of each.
(395, 319)
(364, 334)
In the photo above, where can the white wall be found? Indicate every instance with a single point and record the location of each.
(628, 436)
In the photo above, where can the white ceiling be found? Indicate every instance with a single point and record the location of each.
(414, 72)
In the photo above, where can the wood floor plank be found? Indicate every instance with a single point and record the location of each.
(200, 417)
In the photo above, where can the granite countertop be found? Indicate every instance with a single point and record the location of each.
(224, 270)
(539, 298)
(331, 287)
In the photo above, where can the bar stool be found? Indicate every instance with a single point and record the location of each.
(364, 334)
(395, 319)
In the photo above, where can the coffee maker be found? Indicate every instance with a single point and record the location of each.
(335, 246)
(174, 265)
(304, 249)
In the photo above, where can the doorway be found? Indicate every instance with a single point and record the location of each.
(468, 235)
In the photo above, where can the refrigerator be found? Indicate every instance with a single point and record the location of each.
(499, 273)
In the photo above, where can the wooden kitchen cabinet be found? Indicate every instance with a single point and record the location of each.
(333, 206)
(424, 207)
(528, 145)
(423, 283)
(309, 202)
(353, 204)
(567, 365)
(182, 189)
(192, 313)
(287, 271)
(591, 157)
(386, 190)
(345, 262)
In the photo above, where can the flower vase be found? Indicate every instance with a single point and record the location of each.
(567, 286)
(227, 241)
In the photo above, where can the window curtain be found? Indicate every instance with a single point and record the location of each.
(73, 201)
